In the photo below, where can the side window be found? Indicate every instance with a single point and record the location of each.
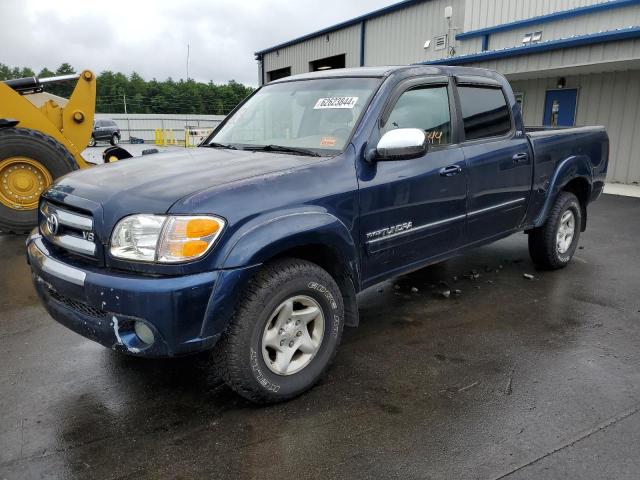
(485, 112)
(426, 108)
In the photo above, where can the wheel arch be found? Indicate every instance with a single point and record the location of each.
(574, 174)
(318, 237)
(581, 188)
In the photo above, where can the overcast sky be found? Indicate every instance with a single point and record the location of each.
(151, 37)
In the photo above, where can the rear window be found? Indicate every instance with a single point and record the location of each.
(485, 112)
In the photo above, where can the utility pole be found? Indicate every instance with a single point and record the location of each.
(188, 51)
(124, 100)
(186, 120)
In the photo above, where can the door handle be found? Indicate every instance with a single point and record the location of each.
(520, 158)
(450, 171)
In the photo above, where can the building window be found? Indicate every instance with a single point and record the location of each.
(426, 108)
(532, 37)
(279, 73)
(329, 63)
(484, 112)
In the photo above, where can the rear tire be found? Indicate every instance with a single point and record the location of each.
(44, 152)
(252, 353)
(115, 139)
(552, 245)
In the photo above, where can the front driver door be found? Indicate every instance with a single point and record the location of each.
(413, 210)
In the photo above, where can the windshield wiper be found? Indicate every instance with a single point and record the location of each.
(282, 148)
(221, 145)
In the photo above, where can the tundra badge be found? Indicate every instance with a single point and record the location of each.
(392, 230)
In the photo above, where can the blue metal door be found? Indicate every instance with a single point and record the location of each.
(560, 107)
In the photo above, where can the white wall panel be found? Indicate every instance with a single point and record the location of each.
(298, 56)
(608, 99)
(489, 13)
(582, 25)
(537, 64)
(399, 37)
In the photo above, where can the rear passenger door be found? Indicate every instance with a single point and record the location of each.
(499, 163)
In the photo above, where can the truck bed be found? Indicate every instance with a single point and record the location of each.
(552, 146)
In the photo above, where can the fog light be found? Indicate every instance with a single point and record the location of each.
(144, 333)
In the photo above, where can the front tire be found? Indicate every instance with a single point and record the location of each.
(552, 245)
(284, 334)
(92, 142)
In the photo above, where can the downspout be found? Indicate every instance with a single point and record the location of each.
(363, 28)
(260, 59)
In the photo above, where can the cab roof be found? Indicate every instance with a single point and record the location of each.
(388, 70)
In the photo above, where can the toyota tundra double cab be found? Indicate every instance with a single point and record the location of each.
(317, 186)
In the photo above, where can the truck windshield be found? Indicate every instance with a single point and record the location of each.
(316, 116)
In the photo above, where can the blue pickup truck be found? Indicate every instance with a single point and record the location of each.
(317, 186)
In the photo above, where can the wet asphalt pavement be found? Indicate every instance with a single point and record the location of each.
(514, 378)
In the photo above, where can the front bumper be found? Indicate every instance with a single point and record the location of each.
(186, 314)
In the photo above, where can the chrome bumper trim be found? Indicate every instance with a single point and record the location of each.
(54, 267)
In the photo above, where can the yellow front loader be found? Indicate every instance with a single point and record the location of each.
(40, 140)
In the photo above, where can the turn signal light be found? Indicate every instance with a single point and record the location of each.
(201, 227)
(187, 238)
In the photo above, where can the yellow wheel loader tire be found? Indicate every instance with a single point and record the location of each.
(29, 163)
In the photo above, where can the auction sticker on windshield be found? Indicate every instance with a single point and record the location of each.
(336, 102)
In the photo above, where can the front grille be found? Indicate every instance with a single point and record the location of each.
(80, 307)
(68, 230)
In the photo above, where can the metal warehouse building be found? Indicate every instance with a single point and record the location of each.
(570, 62)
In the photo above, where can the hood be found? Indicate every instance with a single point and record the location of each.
(152, 183)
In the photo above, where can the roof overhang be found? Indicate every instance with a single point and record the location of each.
(628, 33)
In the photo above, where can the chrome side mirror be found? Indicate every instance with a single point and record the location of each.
(402, 144)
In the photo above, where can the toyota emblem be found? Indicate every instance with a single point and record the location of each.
(52, 224)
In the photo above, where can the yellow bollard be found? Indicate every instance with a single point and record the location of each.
(159, 136)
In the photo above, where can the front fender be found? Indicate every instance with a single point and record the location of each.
(267, 238)
(577, 166)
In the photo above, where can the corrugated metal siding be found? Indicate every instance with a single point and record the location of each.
(608, 99)
(489, 13)
(601, 21)
(143, 125)
(298, 56)
(626, 50)
(399, 37)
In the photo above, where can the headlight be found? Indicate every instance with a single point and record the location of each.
(165, 239)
